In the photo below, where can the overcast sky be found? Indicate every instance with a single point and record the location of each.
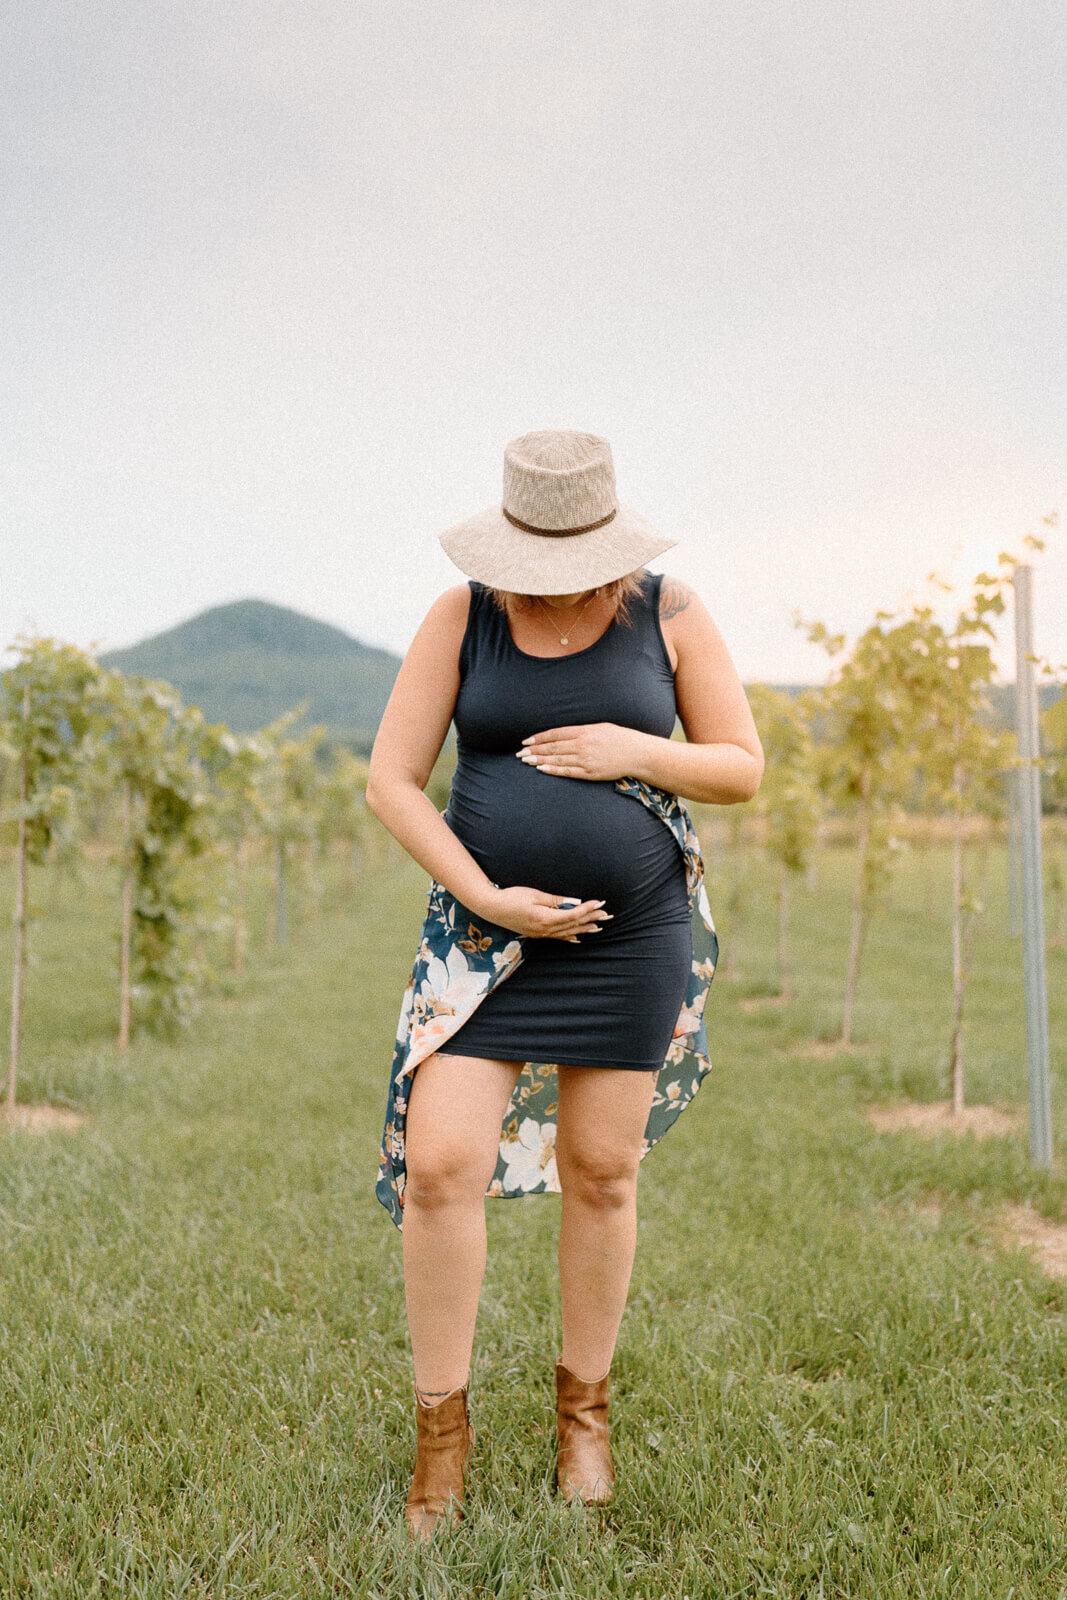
(280, 280)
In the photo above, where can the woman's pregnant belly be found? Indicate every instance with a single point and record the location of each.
(567, 836)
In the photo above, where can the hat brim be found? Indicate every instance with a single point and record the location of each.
(493, 551)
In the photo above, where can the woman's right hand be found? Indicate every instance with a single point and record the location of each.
(538, 916)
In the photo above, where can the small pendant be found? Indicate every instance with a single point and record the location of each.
(564, 641)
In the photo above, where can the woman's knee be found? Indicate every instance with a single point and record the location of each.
(440, 1176)
(604, 1179)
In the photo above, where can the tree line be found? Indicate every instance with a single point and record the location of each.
(91, 755)
(904, 724)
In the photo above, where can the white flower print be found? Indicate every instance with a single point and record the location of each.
(510, 956)
(530, 1158)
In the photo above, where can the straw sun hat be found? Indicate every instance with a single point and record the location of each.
(559, 528)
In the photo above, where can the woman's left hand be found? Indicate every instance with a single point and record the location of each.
(596, 751)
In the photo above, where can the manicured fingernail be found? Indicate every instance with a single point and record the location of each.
(530, 740)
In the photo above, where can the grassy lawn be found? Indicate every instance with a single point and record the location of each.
(831, 1380)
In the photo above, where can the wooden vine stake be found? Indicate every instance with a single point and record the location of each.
(861, 906)
(126, 930)
(788, 801)
(240, 908)
(19, 961)
(958, 975)
(872, 706)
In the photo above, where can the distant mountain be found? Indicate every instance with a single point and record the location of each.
(246, 663)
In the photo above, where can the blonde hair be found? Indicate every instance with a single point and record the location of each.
(620, 592)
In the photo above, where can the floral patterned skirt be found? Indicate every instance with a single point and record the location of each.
(459, 962)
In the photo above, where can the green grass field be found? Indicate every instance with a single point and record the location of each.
(830, 1382)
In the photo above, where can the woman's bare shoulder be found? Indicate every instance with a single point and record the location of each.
(453, 602)
(711, 700)
(682, 613)
(689, 630)
(449, 612)
(439, 636)
(678, 599)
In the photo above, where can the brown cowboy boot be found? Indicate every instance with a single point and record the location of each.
(585, 1471)
(444, 1437)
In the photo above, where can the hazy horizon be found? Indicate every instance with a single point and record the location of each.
(1006, 680)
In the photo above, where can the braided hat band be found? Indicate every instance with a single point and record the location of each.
(556, 533)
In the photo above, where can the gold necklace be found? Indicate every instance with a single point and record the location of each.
(565, 638)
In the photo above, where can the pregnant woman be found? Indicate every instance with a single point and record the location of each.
(552, 1027)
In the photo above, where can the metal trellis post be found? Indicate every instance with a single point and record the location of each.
(1033, 908)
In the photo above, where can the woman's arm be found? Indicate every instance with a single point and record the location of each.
(410, 736)
(721, 761)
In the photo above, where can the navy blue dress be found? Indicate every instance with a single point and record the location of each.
(612, 999)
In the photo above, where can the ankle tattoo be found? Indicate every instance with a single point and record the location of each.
(427, 1396)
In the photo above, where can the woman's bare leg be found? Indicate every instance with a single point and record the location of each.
(602, 1117)
(455, 1110)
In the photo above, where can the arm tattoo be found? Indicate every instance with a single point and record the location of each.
(673, 597)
